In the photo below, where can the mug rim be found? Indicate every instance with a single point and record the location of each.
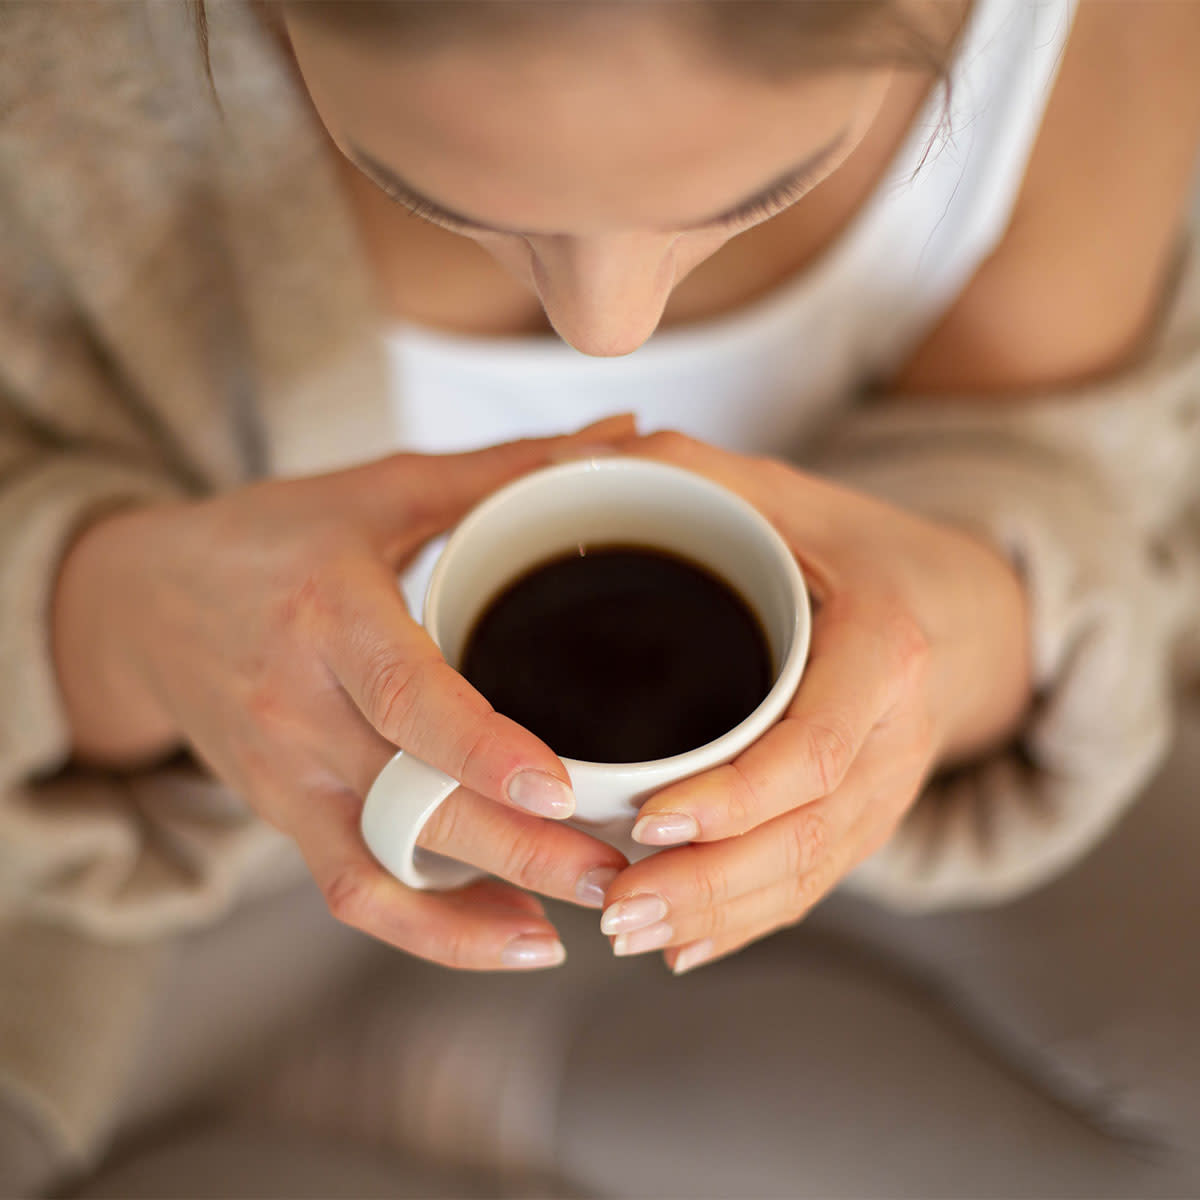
(787, 677)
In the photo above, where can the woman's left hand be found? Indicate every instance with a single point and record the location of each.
(919, 658)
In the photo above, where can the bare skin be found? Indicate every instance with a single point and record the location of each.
(607, 260)
(475, 294)
(593, 174)
(1050, 307)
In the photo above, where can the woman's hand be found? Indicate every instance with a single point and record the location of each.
(265, 628)
(919, 657)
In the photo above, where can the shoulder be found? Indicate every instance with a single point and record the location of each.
(1075, 286)
(92, 96)
(61, 59)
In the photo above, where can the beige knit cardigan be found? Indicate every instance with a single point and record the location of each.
(184, 307)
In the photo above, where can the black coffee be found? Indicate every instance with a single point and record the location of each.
(620, 654)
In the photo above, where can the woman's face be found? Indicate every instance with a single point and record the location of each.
(599, 164)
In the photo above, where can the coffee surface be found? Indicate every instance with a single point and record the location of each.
(620, 654)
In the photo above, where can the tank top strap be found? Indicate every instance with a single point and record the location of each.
(947, 200)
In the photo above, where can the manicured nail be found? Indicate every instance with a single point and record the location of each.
(692, 956)
(533, 950)
(634, 912)
(541, 794)
(593, 885)
(665, 829)
(653, 938)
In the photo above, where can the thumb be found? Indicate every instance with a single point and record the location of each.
(407, 498)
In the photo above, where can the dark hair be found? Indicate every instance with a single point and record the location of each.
(776, 37)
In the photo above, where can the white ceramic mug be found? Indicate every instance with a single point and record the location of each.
(627, 501)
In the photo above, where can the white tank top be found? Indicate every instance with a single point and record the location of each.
(765, 377)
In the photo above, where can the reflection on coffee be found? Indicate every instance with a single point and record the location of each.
(620, 654)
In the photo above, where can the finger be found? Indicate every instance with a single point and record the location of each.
(542, 856)
(824, 837)
(552, 859)
(702, 937)
(476, 928)
(406, 498)
(493, 893)
(816, 515)
(398, 679)
(352, 750)
(751, 915)
(756, 478)
(686, 956)
(855, 673)
(692, 885)
(699, 937)
(444, 486)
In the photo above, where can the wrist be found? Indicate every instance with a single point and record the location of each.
(99, 626)
(985, 684)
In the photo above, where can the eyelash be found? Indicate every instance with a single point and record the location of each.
(769, 205)
(762, 209)
(422, 209)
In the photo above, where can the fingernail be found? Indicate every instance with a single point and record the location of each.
(634, 912)
(541, 794)
(533, 950)
(653, 938)
(665, 829)
(692, 956)
(593, 885)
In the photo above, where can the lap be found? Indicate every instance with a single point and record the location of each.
(1091, 984)
(223, 1161)
(821, 1076)
(1040, 1049)
(1043, 1048)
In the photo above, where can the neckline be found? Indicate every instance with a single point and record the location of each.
(779, 304)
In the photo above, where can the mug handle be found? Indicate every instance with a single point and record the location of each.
(405, 794)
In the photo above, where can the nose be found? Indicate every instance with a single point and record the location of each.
(605, 295)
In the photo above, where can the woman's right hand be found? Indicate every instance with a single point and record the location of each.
(264, 628)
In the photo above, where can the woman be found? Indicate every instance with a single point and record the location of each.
(217, 309)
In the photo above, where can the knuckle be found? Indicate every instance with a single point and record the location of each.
(267, 705)
(669, 443)
(348, 897)
(708, 887)
(805, 842)
(720, 923)
(910, 645)
(485, 741)
(529, 861)
(453, 948)
(301, 602)
(392, 687)
(743, 805)
(441, 832)
(829, 750)
(308, 597)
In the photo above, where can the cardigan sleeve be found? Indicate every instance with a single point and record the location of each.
(118, 856)
(1089, 493)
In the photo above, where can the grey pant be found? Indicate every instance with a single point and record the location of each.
(1047, 1048)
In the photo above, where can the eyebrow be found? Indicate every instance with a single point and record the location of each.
(421, 205)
